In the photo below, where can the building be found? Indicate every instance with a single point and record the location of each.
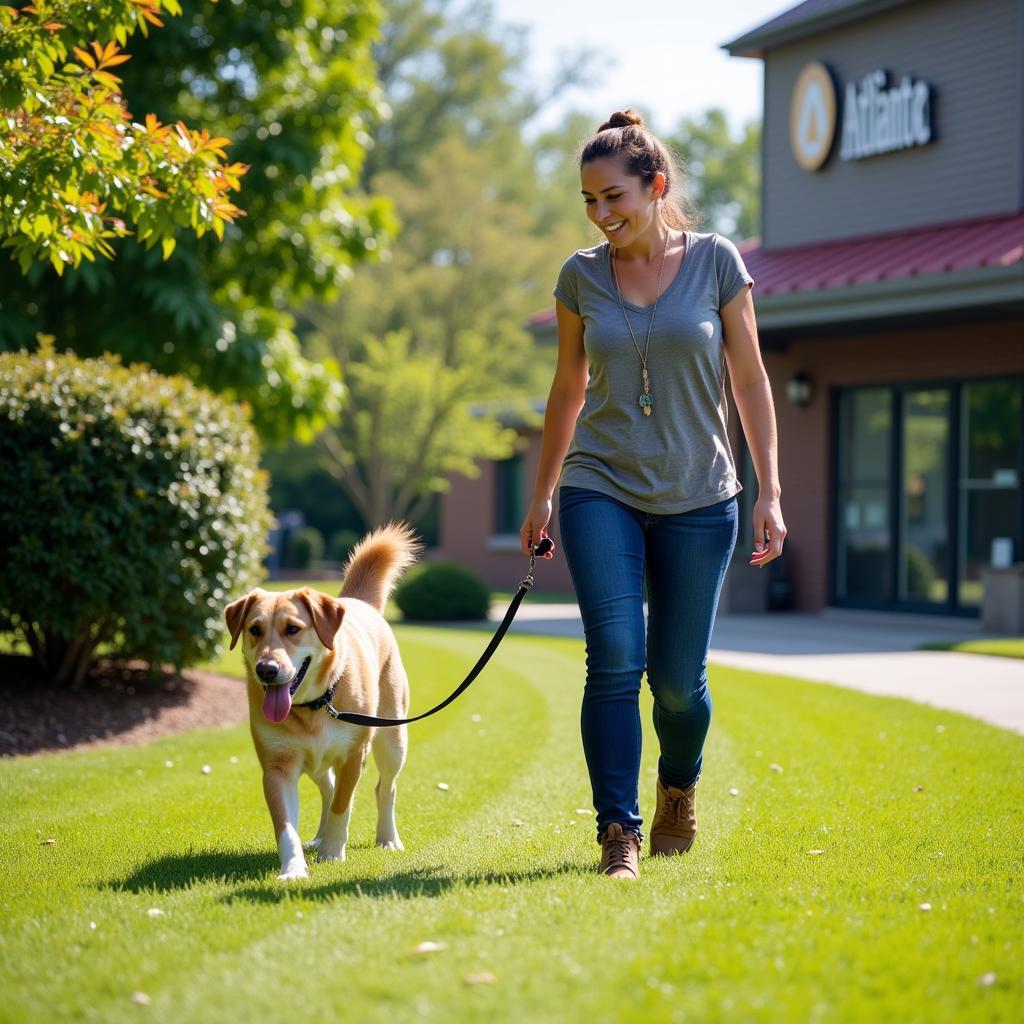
(890, 301)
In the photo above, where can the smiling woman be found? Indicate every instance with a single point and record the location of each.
(636, 433)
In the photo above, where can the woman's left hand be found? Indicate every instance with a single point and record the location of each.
(769, 531)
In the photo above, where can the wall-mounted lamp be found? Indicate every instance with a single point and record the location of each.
(799, 389)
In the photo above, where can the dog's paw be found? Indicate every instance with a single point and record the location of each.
(314, 843)
(293, 873)
(390, 844)
(326, 854)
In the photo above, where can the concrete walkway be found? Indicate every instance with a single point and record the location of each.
(872, 652)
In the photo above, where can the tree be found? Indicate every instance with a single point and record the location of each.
(413, 423)
(293, 84)
(74, 167)
(723, 171)
(431, 338)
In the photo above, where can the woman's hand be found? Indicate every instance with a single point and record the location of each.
(769, 531)
(534, 528)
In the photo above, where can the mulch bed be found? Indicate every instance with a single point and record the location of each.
(117, 704)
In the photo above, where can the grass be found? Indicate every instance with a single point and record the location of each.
(908, 806)
(1004, 647)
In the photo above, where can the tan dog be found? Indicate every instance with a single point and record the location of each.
(297, 645)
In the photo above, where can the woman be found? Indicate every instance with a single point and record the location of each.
(648, 321)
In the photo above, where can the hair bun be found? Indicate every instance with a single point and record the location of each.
(623, 119)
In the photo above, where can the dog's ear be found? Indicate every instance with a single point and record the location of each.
(325, 612)
(235, 613)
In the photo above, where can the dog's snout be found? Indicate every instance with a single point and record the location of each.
(267, 669)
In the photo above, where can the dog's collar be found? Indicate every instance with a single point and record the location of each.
(323, 701)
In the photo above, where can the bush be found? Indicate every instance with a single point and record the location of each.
(442, 591)
(133, 508)
(340, 546)
(305, 546)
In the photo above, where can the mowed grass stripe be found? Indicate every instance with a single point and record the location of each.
(750, 925)
(178, 839)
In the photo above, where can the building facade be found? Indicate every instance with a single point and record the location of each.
(889, 289)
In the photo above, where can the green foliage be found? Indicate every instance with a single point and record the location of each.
(723, 171)
(412, 424)
(340, 545)
(442, 592)
(133, 507)
(432, 338)
(305, 546)
(920, 573)
(74, 166)
(293, 86)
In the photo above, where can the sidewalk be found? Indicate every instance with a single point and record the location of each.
(873, 652)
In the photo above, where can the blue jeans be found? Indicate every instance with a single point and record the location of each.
(612, 550)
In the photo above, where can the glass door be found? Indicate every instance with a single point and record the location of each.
(924, 548)
(928, 492)
(864, 548)
(991, 520)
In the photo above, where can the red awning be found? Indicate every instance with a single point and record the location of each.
(920, 252)
(919, 255)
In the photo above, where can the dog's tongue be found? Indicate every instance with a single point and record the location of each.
(277, 703)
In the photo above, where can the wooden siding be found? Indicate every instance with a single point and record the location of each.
(972, 54)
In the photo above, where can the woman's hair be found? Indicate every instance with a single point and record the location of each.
(625, 135)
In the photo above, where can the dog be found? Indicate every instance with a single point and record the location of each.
(297, 646)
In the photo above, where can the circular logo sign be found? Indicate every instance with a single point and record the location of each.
(812, 116)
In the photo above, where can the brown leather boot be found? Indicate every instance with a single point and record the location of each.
(675, 820)
(620, 852)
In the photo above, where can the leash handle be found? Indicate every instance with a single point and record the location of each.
(525, 586)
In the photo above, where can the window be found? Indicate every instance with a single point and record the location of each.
(928, 492)
(508, 498)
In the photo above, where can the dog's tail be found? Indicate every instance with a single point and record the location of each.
(377, 561)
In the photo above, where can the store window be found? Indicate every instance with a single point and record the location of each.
(864, 549)
(928, 492)
(991, 516)
(508, 498)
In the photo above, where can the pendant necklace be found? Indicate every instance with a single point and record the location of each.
(646, 398)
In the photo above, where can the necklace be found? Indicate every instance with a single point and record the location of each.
(646, 398)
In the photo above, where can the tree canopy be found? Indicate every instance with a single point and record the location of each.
(75, 169)
(292, 84)
(431, 339)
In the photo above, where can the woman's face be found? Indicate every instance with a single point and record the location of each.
(621, 205)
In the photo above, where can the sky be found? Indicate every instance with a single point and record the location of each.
(663, 58)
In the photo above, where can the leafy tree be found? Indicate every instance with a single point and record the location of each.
(413, 423)
(74, 167)
(723, 171)
(292, 82)
(432, 338)
(446, 74)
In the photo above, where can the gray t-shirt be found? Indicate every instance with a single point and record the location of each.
(678, 458)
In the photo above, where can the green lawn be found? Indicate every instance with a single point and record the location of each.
(162, 878)
(1005, 647)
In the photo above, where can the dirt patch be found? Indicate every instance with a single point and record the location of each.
(117, 704)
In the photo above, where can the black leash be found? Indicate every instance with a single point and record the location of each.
(525, 587)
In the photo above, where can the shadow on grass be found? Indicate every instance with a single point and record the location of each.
(183, 871)
(430, 882)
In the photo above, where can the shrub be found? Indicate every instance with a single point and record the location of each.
(920, 574)
(133, 508)
(305, 546)
(340, 546)
(442, 591)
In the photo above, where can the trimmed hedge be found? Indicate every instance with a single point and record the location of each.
(442, 592)
(305, 546)
(133, 509)
(340, 546)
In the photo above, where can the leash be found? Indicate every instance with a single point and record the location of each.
(525, 586)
